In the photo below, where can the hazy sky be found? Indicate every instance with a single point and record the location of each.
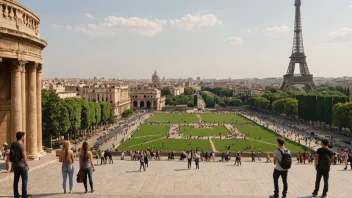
(190, 38)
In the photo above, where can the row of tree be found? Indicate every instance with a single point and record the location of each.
(62, 117)
(342, 115)
(211, 100)
(289, 106)
(127, 113)
(187, 98)
(219, 91)
(318, 108)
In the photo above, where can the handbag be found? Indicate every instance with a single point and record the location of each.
(80, 176)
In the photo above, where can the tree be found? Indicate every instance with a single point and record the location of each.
(74, 110)
(55, 119)
(127, 113)
(189, 91)
(291, 106)
(279, 106)
(105, 111)
(97, 109)
(165, 92)
(92, 117)
(86, 118)
(209, 102)
(234, 102)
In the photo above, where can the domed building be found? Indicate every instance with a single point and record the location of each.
(20, 76)
(156, 81)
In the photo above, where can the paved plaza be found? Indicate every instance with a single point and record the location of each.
(172, 179)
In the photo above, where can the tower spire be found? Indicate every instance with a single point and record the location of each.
(298, 56)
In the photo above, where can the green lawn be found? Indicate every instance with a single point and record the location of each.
(221, 118)
(256, 132)
(190, 130)
(137, 141)
(241, 145)
(172, 145)
(174, 118)
(148, 130)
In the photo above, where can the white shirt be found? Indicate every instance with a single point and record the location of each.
(189, 156)
(102, 154)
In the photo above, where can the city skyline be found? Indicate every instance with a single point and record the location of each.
(237, 39)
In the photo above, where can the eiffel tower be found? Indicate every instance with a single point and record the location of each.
(298, 57)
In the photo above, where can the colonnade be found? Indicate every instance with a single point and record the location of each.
(26, 111)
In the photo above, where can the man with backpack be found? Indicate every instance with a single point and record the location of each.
(20, 165)
(322, 161)
(282, 162)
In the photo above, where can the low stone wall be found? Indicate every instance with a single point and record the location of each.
(218, 154)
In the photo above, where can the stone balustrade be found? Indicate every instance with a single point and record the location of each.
(16, 17)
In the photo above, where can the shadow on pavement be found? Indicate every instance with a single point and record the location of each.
(137, 171)
(182, 169)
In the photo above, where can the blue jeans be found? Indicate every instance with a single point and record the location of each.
(67, 169)
(142, 165)
(88, 172)
(23, 173)
(197, 162)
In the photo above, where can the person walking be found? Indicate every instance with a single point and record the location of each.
(141, 160)
(110, 158)
(87, 166)
(282, 162)
(196, 159)
(102, 158)
(189, 159)
(322, 162)
(20, 165)
(67, 158)
(238, 159)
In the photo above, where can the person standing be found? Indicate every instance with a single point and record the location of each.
(322, 161)
(196, 159)
(146, 157)
(253, 156)
(282, 162)
(345, 159)
(189, 159)
(87, 166)
(20, 165)
(67, 158)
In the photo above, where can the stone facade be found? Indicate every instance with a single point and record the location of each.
(118, 96)
(20, 76)
(146, 97)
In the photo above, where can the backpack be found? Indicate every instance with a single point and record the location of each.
(286, 159)
(13, 155)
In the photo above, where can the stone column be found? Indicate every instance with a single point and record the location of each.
(39, 108)
(32, 110)
(24, 103)
(16, 97)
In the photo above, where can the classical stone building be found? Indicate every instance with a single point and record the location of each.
(156, 83)
(20, 76)
(117, 96)
(144, 96)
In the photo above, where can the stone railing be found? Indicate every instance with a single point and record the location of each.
(14, 16)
